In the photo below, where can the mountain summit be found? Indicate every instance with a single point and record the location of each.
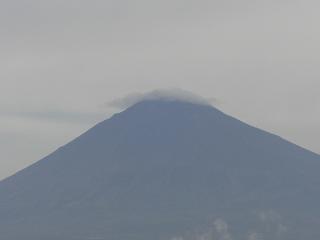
(164, 170)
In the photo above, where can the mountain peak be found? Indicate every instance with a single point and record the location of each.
(160, 168)
(163, 104)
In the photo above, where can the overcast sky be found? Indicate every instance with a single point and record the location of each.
(63, 61)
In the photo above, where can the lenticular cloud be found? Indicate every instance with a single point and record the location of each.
(161, 94)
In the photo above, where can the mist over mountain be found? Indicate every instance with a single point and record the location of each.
(164, 170)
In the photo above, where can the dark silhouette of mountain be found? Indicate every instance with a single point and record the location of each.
(165, 169)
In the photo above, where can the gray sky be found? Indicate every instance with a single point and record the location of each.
(63, 61)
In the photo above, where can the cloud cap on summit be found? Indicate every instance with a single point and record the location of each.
(169, 95)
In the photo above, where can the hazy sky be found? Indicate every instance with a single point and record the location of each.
(63, 61)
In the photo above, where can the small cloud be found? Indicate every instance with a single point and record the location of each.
(163, 95)
(222, 228)
(255, 236)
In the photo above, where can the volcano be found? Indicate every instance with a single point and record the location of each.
(163, 170)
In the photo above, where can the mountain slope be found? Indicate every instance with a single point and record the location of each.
(162, 169)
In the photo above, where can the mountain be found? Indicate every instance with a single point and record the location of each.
(164, 170)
